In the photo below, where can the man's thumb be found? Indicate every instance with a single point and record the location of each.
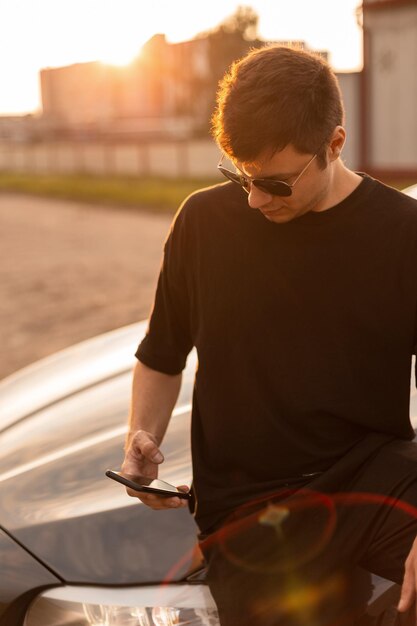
(406, 599)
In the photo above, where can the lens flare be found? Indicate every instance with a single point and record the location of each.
(293, 544)
(279, 540)
(301, 602)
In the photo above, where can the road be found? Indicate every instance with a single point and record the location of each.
(69, 271)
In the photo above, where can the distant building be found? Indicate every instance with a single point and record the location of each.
(168, 90)
(165, 83)
(23, 128)
(78, 94)
(389, 88)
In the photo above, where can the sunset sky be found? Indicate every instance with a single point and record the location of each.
(50, 33)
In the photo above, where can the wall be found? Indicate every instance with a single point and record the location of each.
(391, 87)
(191, 159)
(350, 86)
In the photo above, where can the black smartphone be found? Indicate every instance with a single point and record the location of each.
(148, 485)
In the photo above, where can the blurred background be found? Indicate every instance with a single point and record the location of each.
(105, 111)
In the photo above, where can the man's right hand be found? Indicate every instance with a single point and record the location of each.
(142, 458)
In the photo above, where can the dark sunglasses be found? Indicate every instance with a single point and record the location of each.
(269, 185)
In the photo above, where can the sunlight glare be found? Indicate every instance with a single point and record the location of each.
(114, 32)
(120, 55)
(120, 51)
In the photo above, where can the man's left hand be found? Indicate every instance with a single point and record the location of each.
(409, 586)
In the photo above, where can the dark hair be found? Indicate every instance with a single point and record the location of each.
(277, 96)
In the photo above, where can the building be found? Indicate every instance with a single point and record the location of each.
(162, 92)
(169, 90)
(389, 89)
(20, 129)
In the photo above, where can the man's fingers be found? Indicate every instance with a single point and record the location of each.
(157, 502)
(408, 590)
(151, 452)
(143, 455)
(148, 447)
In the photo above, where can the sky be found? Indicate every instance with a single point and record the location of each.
(50, 33)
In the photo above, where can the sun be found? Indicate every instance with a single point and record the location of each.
(120, 34)
(121, 54)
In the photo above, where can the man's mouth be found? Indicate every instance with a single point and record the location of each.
(268, 212)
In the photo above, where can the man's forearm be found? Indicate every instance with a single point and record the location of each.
(154, 395)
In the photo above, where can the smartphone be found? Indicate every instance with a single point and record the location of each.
(148, 485)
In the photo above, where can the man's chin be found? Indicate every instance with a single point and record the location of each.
(279, 216)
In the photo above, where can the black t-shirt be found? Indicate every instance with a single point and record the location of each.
(304, 333)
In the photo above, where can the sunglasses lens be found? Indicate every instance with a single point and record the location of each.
(230, 175)
(274, 187)
(236, 178)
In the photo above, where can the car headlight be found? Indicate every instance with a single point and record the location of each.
(170, 605)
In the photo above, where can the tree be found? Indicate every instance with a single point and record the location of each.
(229, 41)
(243, 22)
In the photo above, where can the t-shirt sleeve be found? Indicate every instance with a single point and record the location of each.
(168, 338)
(415, 355)
(415, 351)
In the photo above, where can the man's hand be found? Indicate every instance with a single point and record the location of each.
(409, 586)
(142, 458)
(142, 455)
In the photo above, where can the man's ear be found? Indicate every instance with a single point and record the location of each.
(336, 143)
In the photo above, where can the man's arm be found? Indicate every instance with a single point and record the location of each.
(154, 395)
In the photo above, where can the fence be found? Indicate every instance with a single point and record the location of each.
(185, 159)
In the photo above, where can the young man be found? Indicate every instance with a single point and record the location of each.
(303, 310)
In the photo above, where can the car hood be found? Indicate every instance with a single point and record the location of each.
(63, 425)
(65, 372)
(411, 191)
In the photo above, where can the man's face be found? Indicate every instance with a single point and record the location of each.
(309, 193)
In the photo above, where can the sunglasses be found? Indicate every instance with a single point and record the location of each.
(269, 185)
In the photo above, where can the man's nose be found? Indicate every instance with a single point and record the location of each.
(257, 197)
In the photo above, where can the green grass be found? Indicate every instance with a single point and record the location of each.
(157, 194)
(149, 193)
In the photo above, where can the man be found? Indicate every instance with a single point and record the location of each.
(303, 311)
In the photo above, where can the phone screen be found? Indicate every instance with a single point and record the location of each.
(144, 484)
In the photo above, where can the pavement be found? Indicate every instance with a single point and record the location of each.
(70, 271)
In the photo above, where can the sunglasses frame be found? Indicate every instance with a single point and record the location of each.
(267, 185)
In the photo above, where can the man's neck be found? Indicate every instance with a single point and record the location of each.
(342, 183)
